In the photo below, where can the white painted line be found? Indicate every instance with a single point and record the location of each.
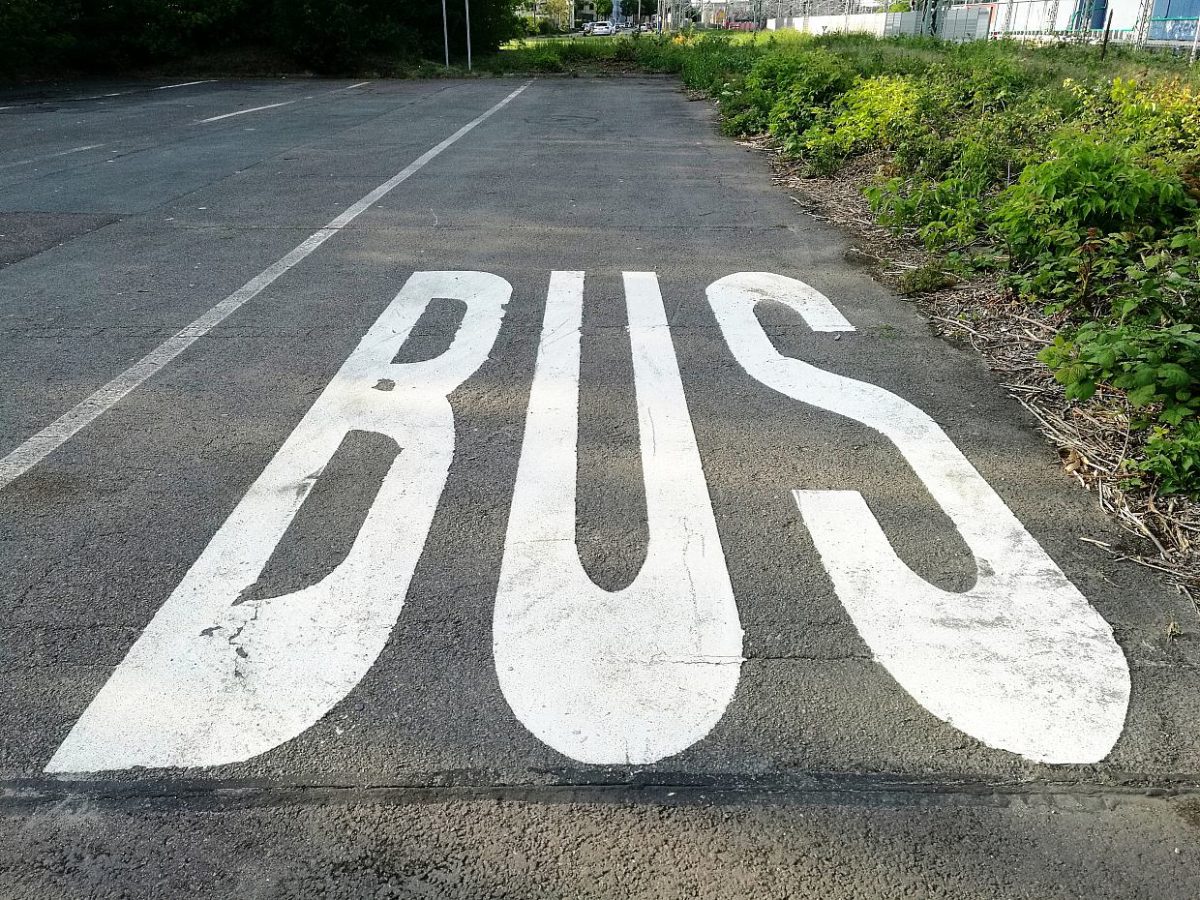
(66, 426)
(242, 112)
(1020, 661)
(26, 162)
(218, 677)
(614, 677)
(167, 87)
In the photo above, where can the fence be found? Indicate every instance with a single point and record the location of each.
(1154, 23)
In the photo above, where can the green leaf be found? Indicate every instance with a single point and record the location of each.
(1144, 395)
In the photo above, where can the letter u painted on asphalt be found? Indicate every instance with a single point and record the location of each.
(627, 676)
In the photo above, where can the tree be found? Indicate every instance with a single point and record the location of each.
(629, 8)
(604, 8)
(558, 12)
(45, 37)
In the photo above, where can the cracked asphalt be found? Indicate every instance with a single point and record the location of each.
(125, 216)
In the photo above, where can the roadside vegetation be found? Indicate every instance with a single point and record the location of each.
(1067, 183)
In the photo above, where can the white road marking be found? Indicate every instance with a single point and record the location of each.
(628, 676)
(34, 159)
(167, 87)
(242, 112)
(66, 426)
(164, 87)
(214, 679)
(1021, 661)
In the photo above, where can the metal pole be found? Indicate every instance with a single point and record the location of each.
(1145, 11)
(1195, 43)
(446, 33)
(467, 6)
(1107, 29)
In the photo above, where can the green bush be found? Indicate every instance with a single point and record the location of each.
(56, 37)
(334, 35)
(797, 102)
(35, 34)
(715, 60)
(1158, 367)
(875, 114)
(1089, 185)
(1170, 460)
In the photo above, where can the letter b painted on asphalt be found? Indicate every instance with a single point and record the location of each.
(213, 680)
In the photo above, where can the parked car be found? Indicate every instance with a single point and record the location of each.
(603, 28)
(588, 26)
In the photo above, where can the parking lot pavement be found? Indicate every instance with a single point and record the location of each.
(499, 488)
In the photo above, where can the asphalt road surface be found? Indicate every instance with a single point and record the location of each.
(501, 489)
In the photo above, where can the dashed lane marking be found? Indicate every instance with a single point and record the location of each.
(167, 87)
(242, 112)
(35, 159)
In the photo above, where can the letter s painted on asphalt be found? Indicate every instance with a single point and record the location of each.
(1021, 661)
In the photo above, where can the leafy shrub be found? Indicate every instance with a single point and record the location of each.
(1156, 117)
(947, 212)
(1170, 460)
(712, 62)
(45, 37)
(1158, 367)
(875, 114)
(796, 102)
(1088, 185)
(34, 33)
(332, 35)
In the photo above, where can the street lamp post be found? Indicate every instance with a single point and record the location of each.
(446, 33)
(467, 5)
